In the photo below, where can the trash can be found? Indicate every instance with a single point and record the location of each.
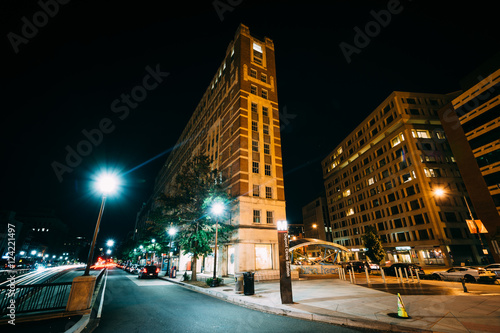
(238, 283)
(248, 283)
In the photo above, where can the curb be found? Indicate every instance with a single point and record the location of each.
(80, 325)
(345, 320)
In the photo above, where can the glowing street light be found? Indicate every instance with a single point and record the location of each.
(217, 210)
(106, 184)
(110, 243)
(33, 252)
(172, 231)
(108, 251)
(22, 253)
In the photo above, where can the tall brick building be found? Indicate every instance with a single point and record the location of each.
(236, 124)
(386, 174)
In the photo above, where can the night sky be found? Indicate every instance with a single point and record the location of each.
(65, 78)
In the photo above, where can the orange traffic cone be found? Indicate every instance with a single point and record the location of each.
(401, 308)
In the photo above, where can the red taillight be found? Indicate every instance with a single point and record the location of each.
(145, 270)
(157, 270)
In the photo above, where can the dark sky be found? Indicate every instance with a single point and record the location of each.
(66, 75)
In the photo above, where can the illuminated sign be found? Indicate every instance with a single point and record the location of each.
(282, 226)
(403, 248)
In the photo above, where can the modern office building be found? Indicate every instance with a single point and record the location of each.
(396, 172)
(315, 219)
(472, 124)
(236, 124)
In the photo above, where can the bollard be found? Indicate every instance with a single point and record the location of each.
(463, 285)
(418, 276)
(383, 274)
(353, 276)
(350, 275)
(411, 273)
(406, 274)
(396, 271)
(400, 275)
(340, 274)
(367, 277)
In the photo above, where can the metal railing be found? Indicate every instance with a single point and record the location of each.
(35, 297)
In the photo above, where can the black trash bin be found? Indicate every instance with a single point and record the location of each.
(248, 283)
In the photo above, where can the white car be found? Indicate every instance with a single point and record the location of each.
(470, 274)
(495, 268)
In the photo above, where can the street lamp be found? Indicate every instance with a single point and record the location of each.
(153, 241)
(171, 232)
(217, 209)
(110, 243)
(106, 184)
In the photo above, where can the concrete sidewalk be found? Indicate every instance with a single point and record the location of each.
(340, 302)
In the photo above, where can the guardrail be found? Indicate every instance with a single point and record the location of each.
(35, 297)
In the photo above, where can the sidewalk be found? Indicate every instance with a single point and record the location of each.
(342, 303)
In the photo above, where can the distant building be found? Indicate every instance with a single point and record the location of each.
(236, 124)
(388, 172)
(472, 124)
(316, 222)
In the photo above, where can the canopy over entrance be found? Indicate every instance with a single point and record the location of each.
(318, 242)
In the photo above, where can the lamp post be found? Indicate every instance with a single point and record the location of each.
(217, 209)
(106, 184)
(153, 241)
(477, 230)
(171, 232)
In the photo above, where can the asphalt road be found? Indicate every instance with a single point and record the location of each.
(134, 305)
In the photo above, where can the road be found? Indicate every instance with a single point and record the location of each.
(134, 305)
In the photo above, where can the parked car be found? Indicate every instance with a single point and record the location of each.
(469, 273)
(149, 272)
(357, 266)
(391, 270)
(374, 266)
(495, 268)
(136, 269)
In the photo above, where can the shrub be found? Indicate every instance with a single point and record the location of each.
(218, 281)
(186, 277)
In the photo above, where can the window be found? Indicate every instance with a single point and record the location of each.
(350, 212)
(432, 172)
(256, 190)
(256, 216)
(263, 256)
(267, 150)
(253, 73)
(255, 167)
(371, 181)
(406, 177)
(265, 111)
(254, 126)
(263, 78)
(347, 193)
(254, 107)
(264, 93)
(266, 129)
(269, 217)
(253, 90)
(422, 134)
(269, 192)
(267, 170)
(440, 135)
(257, 53)
(397, 140)
(255, 145)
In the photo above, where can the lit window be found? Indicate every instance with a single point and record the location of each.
(264, 94)
(422, 134)
(255, 167)
(255, 145)
(339, 151)
(253, 90)
(371, 181)
(269, 192)
(256, 216)
(232, 51)
(224, 65)
(269, 217)
(267, 150)
(253, 73)
(432, 172)
(396, 141)
(257, 53)
(254, 126)
(350, 211)
(440, 135)
(347, 193)
(267, 169)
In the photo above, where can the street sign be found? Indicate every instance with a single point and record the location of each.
(285, 267)
(474, 225)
